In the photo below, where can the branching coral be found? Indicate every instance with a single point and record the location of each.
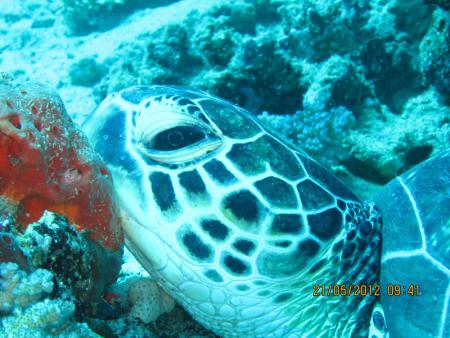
(19, 289)
(27, 309)
(315, 132)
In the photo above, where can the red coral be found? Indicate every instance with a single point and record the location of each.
(46, 163)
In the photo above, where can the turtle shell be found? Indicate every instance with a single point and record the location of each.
(415, 267)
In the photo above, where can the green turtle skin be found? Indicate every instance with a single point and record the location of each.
(248, 233)
(416, 250)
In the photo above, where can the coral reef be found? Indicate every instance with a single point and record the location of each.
(53, 294)
(400, 142)
(138, 294)
(338, 82)
(166, 57)
(315, 132)
(83, 16)
(28, 310)
(52, 244)
(434, 51)
(362, 86)
(281, 57)
(38, 303)
(19, 289)
(316, 59)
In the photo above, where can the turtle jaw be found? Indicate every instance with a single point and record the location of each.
(145, 245)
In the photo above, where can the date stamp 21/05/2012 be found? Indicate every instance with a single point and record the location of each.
(363, 290)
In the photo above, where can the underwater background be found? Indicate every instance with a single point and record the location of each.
(361, 86)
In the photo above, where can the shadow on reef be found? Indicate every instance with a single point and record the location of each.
(83, 17)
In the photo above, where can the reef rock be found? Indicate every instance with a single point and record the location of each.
(47, 164)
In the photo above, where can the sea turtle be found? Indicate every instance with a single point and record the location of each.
(255, 239)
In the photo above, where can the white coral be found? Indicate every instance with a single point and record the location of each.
(28, 313)
(148, 300)
(48, 318)
(17, 289)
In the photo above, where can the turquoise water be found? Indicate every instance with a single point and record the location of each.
(362, 87)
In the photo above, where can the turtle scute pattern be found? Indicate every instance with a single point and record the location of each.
(248, 227)
(416, 249)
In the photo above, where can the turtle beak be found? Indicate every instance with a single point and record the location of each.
(142, 241)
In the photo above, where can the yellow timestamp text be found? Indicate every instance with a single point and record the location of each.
(363, 290)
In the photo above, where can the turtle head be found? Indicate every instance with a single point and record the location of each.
(167, 149)
(236, 225)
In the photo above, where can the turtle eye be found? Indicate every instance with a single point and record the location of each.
(176, 138)
(172, 139)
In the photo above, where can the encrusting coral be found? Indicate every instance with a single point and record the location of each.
(315, 131)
